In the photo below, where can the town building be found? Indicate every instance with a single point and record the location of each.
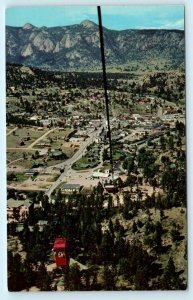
(70, 188)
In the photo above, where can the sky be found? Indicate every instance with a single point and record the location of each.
(113, 17)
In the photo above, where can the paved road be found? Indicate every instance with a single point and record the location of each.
(68, 163)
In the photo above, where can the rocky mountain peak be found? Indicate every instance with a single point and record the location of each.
(28, 26)
(78, 47)
(88, 24)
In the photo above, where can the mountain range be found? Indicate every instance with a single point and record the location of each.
(77, 46)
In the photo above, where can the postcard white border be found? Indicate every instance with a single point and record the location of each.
(158, 295)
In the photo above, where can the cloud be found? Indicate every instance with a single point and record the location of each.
(179, 24)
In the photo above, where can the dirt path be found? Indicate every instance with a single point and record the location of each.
(27, 188)
(40, 138)
(11, 131)
(22, 149)
(19, 159)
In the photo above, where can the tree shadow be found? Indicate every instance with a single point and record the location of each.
(165, 249)
(180, 238)
(156, 269)
(162, 249)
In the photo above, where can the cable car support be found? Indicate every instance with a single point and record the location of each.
(105, 87)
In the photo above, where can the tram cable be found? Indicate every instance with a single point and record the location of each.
(105, 87)
(60, 244)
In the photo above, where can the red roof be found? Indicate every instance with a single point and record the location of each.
(60, 243)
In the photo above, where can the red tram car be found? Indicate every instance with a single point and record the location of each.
(61, 252)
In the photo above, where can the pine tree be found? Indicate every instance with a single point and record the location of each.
(74, 278)
(28, 272)
(141, 279)
(171, 279)
(134, 227)
(25, 236)
(16, 281)
(175, 233)
(107, 247)
(109, 278)
(43, 280)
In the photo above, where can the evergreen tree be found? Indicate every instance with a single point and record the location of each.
(11, 228)
(43, 280)
(107, 247)
(134, 227)
(74, 278)
(25, 236)
(141, 279)
(157, 237)
(175, 233)
(28, 272)
(123, 267)
(171, 279)
(121, 247)
(109, 278)
(16, 280)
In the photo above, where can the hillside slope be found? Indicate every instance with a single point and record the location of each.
(78, 46)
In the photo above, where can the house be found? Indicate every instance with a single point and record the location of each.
(43, 152)
(45, 122)
(110, 188)
(76, 139)
(99, 174)
(42, 224)
(42, 145)
(70, 188)
(25, 208)
(38, 163)
(136, 116)
(13, 205)
(31, 172)
(21, 207)
(34, 118)
(20, 226)
(58, 154)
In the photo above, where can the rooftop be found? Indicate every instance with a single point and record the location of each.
(14, 203)
(71, 186)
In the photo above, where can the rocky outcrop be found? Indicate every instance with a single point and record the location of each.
(60, 48)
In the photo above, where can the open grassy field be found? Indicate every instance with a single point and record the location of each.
(56, 139)
(60, 134)
(18, 154)
(18, 177)
(28, 135)
(16, 157)
(84, 163)
(25, 163)
(10, 128)
(118, 155)
(46, 177)
(90, 160)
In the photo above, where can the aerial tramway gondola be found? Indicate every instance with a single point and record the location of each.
(61, 252)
